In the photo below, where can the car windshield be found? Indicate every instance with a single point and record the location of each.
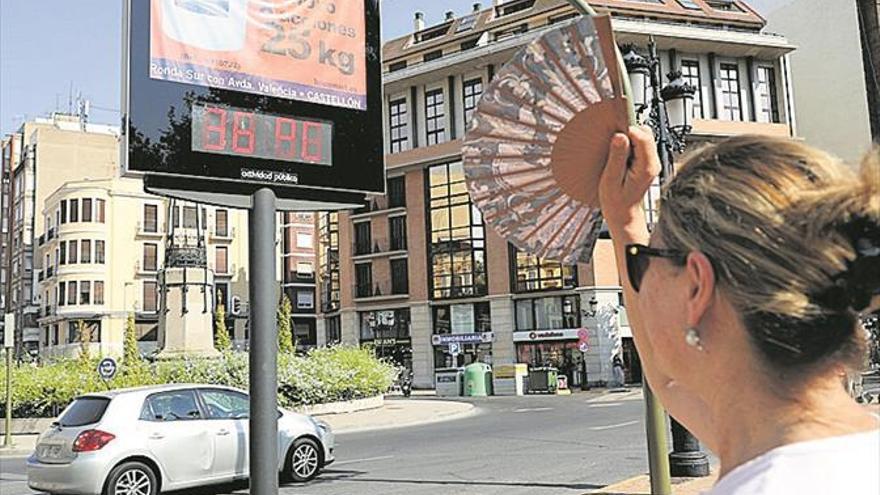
(85, 411)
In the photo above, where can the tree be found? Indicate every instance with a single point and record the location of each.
(131, 356)
(286, 342)
(85, 341)
(222, 342)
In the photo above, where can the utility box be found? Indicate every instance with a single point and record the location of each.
(543, 380)
(449, 382)
(477, 380)
(511, 379)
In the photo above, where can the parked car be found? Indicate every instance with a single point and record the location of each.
(147, 440)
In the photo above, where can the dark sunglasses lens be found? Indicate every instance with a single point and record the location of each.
(636, 265)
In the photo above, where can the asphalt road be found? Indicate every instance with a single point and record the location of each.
(535, 445)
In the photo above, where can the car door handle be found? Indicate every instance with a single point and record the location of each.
(223, 432)
(157, 436)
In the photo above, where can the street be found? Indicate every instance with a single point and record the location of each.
(512, 445)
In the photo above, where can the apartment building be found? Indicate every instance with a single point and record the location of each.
(417, 270)
(9, 150)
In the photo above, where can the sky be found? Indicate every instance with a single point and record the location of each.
(51, 50)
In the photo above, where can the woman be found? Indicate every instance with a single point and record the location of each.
(744, 304)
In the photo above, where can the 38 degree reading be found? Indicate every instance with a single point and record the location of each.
(233, 131)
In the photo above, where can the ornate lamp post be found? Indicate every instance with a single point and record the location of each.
(670, 110)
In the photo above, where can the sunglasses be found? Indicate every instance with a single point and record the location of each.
(638, 259)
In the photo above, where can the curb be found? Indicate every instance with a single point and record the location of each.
(442, 418)
(641, 485)
(14, 453)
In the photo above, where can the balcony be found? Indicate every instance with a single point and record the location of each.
(50, 272)
(50, 234)
(41, 240)
(295, 277)
(378, 247)
(383, 289)
(40, 276)
(375, 205)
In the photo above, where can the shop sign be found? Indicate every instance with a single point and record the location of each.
(536, 335)
(462, 338)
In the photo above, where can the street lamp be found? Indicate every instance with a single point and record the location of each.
(670, 110)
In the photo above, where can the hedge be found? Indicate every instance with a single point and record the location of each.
(322, 375)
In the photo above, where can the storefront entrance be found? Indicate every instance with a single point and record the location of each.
(563, 355)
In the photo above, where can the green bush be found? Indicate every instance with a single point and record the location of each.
(323, 375)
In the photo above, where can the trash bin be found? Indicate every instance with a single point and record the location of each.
(543, 380)
(510, 379)
(477, 380)
(448, 382)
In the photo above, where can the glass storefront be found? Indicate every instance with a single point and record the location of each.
(563, 355)
(388, 333)
(464, 320)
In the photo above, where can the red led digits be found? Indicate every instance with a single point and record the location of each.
(310, 139)
(214, 136)
(282, 137)
(241, 131)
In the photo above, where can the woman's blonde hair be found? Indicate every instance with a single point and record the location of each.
(793, 235)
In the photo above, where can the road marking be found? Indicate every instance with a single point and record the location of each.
(620, 425)
(612, 404)
(368, 459)
(533, 409)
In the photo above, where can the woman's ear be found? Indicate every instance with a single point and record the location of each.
(701, 286)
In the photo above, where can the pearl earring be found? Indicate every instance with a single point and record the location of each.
(692, 337)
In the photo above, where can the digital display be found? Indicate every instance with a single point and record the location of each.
(234, 131)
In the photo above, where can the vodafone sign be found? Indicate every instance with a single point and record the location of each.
(536, 335)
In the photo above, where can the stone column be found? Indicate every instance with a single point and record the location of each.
(350, 329)
(501, 309)
(422, 348)
(186, 325)
(320, 332)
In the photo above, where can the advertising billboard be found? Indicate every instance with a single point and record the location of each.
(222, 97)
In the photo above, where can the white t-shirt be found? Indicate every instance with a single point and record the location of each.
(848, 464)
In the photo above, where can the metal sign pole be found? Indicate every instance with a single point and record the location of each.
(263, 347)
(7, 441)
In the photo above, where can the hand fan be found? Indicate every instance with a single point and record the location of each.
(538, 140)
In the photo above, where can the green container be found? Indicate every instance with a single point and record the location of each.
(477, 380)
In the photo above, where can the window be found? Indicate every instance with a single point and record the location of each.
(466, 23)
(432, 33)
(399, 276)
(435, 115)
(101, 210)
(457, 250)
(333, 330)
(85, 292)
(190, 217)
(767, 96)
(305, 240)
(305, 269)
(433, 55)
(384, 324)
(689, 4)
(99, 252)
(470, 44)
(150, 296)
(305, 300)
(534, 274)
(221, 223)
(221, 262)
(724, 5)
(62, 294)
(730, 97)
(690, 71)
(462, 318)
(87, 210)
(71, 293)
(362, 238)
(85, 252)
(72, 251)
(564, 17)
(225, 404)
(513, 6)
(363, 276)
(472, 91)
(511, 32)
(179, 405)
(151, 218)
(99, 292)
(84, 411)
(328, 227)
(74, 210)
(398, 125)
(397, 192)
(396, 66)
(397, 227)
(151, 257)
(548, 313)
(175, 217)
(63, 209)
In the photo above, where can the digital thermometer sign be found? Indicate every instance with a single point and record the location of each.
(238, 132)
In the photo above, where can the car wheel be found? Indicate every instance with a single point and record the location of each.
(304, 461)
(132, 478)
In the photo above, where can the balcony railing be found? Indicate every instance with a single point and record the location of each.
(149, 229)
(380, 203)
(378, 246)
(50, 234)
(50, 272)
(383, 288)
(40, 276)
(41, 240)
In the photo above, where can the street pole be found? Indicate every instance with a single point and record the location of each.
(686, 458)
(263, 347)
(7, 440)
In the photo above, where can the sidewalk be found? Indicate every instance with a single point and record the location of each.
(641, 485)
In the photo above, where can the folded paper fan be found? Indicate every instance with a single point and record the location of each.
(539, 138)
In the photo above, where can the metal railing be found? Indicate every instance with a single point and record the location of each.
(378, 246)
(382, 288)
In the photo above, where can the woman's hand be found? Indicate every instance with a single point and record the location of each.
(623, 185)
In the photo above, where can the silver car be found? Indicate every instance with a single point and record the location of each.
(144, 441)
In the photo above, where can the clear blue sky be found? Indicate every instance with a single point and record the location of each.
(49, 46)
